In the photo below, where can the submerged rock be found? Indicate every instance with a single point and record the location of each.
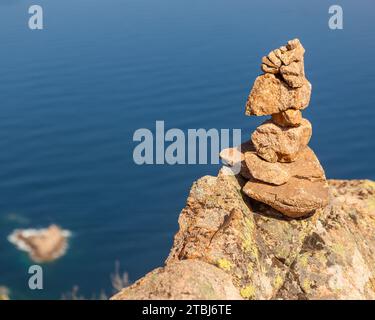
(43, 245)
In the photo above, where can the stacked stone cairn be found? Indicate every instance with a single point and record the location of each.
(280, 169)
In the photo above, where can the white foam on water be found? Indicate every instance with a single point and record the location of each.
(15, 239)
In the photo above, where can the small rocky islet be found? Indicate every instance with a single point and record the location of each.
(43, 245)
(281, 170)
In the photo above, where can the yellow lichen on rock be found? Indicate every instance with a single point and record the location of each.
(233, 248)
(224, 264)
(248, 292)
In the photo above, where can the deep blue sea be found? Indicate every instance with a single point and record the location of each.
(72, 95)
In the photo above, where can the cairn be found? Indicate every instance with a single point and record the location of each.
(282, 171)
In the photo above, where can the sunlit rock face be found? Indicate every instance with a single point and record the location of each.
(278, 229)
(229, 245)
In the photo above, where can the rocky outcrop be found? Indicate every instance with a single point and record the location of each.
(277, 230)
(184, 280)
(43, 245)
(231, 246)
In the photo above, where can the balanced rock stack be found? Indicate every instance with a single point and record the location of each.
(282, 171)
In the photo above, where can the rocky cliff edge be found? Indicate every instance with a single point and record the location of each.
(231, 247)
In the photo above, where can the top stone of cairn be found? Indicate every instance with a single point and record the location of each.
(283, 85)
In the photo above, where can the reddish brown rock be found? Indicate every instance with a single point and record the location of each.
(262, 170)
(293, 74)
(285, 55)
(328, 255)
(288, 118)
(288, 62)
(184, 280)
(274, 143)
(306, 165)
(294, 52)
(270, 95)
(269, 69)
(305, 192)
(261, 249)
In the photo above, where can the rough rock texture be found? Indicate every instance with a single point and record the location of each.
(337, 260)
(295, 189)
(282, 92)
(283, 85)
(288, 118)
(184, 280)
(329, 255)
(293, 74)
(272, 173)
(43, 245)
(274, 143)
(307, 165)
(271, 95)
(296, 198)
(288, 61)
